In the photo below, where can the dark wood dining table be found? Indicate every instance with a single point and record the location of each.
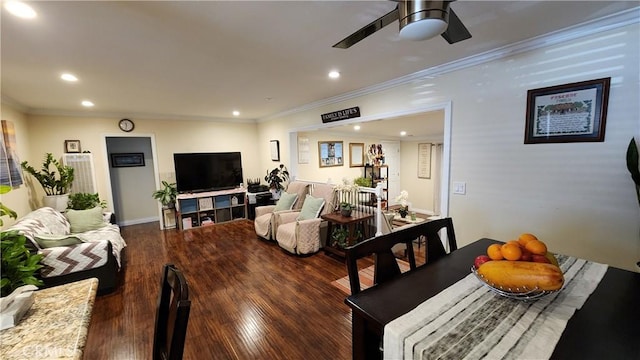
(606, 327)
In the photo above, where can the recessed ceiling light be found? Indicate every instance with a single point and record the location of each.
(403, 133)
(334, 74)
(356, 127)
(68, 77)
(236, 113)
(87, 103)
(20, 9)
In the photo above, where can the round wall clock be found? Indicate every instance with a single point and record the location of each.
(126, 125)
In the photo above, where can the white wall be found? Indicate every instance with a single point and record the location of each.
(577, 197)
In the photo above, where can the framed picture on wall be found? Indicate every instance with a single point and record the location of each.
(72, 146)
(330, 153)
(127, 159)
(274, 146)
(356, 154)
(575, 112)
(424, 161)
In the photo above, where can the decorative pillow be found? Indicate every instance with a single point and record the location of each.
(49, 241)
(286, 201)
(85, 220)
(311, 208)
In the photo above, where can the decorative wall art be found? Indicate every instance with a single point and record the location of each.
(127, 159)
(331, 153)
(72, 146)
(10, 172)
(303, 150)
(424, 161)
(356, 154)
(275, 150)
(575, 112)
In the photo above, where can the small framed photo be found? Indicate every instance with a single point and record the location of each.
(127, 159)
(72, 146)
(575, 112)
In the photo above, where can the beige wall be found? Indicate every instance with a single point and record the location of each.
(577, 197)
(41, 134)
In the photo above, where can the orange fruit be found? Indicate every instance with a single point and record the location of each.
(511, 251)
(513, 242)
(494, 252)
(523, 239)
(536, 247)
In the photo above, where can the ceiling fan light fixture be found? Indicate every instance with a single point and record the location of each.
(423, 29)
(422, 20)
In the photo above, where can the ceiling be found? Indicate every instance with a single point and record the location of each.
(204, 59)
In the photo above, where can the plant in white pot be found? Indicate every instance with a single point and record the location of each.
(277, 179)
(56, 180)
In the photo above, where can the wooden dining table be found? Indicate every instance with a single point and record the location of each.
(606, 327)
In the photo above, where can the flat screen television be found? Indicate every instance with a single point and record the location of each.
(198, 172)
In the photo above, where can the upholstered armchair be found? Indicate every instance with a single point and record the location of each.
(264, 222)
(304, 232)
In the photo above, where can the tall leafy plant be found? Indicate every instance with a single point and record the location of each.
(53, 183)
(84, 201)
(167, 195)
(276, 177)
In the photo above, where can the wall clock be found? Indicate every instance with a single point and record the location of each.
(126, 125)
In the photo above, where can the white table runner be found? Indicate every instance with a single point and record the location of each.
(469, 321)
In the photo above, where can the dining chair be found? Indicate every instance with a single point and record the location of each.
(435, 249)
(172, 315)
(385, 267)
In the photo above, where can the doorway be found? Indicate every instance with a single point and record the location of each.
(132, 183)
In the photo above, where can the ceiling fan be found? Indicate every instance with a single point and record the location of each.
(419, 20)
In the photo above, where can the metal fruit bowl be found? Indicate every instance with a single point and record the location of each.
(522, 294)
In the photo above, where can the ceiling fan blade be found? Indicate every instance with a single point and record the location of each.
(369, 29)
(456, 31)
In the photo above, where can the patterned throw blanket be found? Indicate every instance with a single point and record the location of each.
(469, 321)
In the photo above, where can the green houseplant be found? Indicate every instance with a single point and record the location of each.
(167, 195)
(56, 180)
(84, 201)
(5, 211)
(276, 179)
(345, 209)
(18, 264)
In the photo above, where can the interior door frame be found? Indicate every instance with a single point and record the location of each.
(446, 142)
(154, 154)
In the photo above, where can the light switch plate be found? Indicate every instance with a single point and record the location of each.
(459, 187)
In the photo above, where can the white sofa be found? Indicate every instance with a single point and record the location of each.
(89, 246)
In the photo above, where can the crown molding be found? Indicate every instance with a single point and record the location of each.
(610, 22)
(120, 115)
(11, 102)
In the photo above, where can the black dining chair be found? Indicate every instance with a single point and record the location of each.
(435, 249)
(172, 315)
(386, 267)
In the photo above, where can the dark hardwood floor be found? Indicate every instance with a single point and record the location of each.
(250, 299)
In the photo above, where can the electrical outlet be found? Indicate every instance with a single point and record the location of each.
(459, 187)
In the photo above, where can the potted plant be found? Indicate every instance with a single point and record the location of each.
(276, 179)
(345, 209)
(84, 201)
(55, 181)
(18, 264)
(167, 195)
(404, 205)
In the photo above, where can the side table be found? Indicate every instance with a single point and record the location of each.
(356, 219)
